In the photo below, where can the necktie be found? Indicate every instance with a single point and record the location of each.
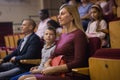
(22, 44)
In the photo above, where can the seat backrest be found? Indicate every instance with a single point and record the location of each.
(105, 64)
(16, 38)
(7, 44)
(11, 40)
(93, 45)
(114, 31)
(118, 11)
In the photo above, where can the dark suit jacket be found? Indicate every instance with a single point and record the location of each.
(31, 50)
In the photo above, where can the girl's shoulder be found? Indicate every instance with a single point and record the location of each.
(103, 21)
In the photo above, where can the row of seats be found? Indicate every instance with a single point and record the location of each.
(10, 44)
(104, 64)
(11, 40)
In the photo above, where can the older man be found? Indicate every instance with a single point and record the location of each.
(29, 48)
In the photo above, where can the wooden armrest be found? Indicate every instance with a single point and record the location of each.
(84, 71)
(2, 54)
(30, 61)
(1, 60)
(104, 31)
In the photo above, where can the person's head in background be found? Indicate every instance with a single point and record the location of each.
(50, 35)
(43, 14)
(96, 12)
(85, 1)
(73, 2)
(53, 23)
(28, 26)
(69, 17)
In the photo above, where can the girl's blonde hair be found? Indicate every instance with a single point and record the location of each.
(74, 12)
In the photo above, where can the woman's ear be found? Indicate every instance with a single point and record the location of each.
(71, 18)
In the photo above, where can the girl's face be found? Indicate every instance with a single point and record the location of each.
(49, 36)
(94, 13)
(64, 17)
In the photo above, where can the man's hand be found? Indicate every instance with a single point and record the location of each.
(33, 68)
(12, 59)
(1, 61)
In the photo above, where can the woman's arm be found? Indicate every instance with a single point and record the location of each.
(54, 69)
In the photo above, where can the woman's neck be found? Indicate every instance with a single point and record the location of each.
(69, 28)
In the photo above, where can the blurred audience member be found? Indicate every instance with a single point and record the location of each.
(96, 24)
(84, 12)
(44, 17)
(109, 9)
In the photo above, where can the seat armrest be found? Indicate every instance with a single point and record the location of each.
(30, 61)
(84, 71)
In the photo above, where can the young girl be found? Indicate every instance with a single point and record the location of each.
(97, 24)
(49, 37)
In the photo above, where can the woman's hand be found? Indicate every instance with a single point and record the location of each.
(48, 70)
(36, 71)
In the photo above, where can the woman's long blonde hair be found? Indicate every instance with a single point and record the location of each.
(74, 12)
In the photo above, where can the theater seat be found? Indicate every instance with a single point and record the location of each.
(93, 46)
(114, 31)
(105, 65)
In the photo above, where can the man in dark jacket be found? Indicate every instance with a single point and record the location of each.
(29, 48)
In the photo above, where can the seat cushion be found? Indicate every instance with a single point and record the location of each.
(107, 53)
(93, 45)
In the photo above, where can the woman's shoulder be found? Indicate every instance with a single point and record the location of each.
(79, 32)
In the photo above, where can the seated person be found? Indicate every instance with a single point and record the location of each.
(48, 49)
(56, 26)
(96, 24)
(72, 45)
(29, 48)
(84, 12)
(44, 18)
(109, 9)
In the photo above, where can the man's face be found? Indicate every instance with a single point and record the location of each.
(42, 15)
(26, 27)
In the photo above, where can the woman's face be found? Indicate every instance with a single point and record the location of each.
(64, 17)
(49, 36)
(94, 13)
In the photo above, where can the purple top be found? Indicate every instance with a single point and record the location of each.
(73, 46)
